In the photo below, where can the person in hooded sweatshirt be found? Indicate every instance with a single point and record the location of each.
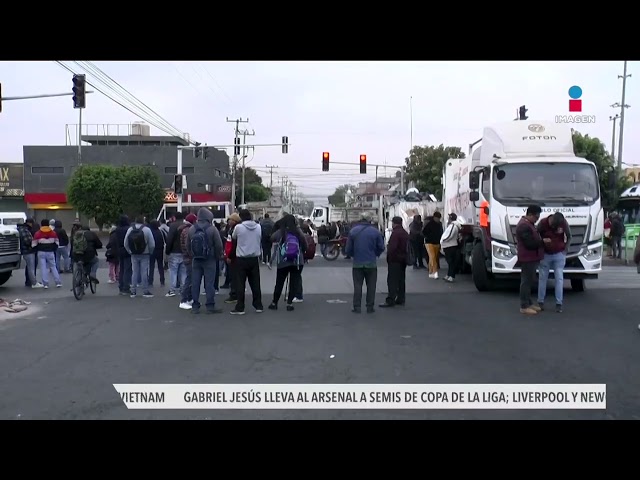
(450, 247)
(124, 257)
(248, 236)
(204, 259)
(140, 244)
(46, 242)
(63, 259)
(157, 257)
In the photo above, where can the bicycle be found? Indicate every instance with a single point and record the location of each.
(81, 280)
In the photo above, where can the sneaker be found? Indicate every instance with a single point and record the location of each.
(528, 311)
(431, 275)
(435, 275)
(132, 295)
(298, 300)
(541, 306)
(230, 300)
(170, 293)
(558, 308)
(45, 286)
(273, 306)
(259, 310)
(124, 293)
(269, 266)
(237, 312)
(111, 281)
(290, 308)
(37, 285)
(58, 285)
(185, 306)
(147, 295)
(190, 302)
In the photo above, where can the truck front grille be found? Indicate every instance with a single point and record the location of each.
(9, 244)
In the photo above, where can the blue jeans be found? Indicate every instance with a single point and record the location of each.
(556, 263)
(207, 269)
(140, 269)
(30, 262)
(47, 263)
(63, 261)
(177, 272)
(186, 286)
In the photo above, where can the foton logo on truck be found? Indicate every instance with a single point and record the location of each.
(539, 137)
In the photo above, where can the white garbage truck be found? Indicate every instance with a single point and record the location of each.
(522, 163)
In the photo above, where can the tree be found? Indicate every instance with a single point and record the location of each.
(338, 197)
(426, 164)
(141, 191)
(104, 192)
(254, 190)
(595, 151)
(95, 191)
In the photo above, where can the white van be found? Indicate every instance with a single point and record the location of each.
(12, 218)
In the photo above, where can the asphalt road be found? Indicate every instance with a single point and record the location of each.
(61, 357)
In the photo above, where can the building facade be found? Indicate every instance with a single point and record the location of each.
(48, 169)
(12, 187)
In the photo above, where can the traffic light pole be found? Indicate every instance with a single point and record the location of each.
(179, 172)
(80, 137)
(47, 95)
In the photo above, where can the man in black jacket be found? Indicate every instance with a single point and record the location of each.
(125, 271)
(397, 264)
(177, 269)
(90, 256)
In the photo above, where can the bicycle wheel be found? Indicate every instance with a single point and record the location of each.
(92, 286)
(78, 282)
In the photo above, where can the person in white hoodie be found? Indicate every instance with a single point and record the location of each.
(450, 246)
(248, 236)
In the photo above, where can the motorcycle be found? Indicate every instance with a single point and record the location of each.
(333, 248)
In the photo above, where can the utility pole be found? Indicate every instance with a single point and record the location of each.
(271, 167)
(236, 152)
(622, 108)
(244, 156)
(613, 136)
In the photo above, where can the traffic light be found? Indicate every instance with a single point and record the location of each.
(285, 144)
(325, 162)
(236, 149)
(363, 164)
(523, 113)
(79, 91)
(205, 152)
(197, 151)
(177, 184)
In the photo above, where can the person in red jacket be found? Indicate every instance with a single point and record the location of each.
(556, 234)
(530, 253)
(397, 249)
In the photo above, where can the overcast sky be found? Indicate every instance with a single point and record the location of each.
(345, 108)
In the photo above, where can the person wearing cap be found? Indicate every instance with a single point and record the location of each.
(397, 249)
(186, 300)
(364, 244)
(450, 246)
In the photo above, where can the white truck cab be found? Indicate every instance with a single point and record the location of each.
(10, 257)
(522, 163)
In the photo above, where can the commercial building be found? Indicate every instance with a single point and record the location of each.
(12, 187)
(48, 169)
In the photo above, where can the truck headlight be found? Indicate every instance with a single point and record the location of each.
(593, 253)
(503, 253)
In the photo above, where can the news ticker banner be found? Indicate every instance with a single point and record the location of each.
(364, 397)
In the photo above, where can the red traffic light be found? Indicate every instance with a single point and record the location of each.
(325, 155)
(325, 161)
(363, 158)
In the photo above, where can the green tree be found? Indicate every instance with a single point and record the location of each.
(104, 192)
(94, 190)
(338, 197)
(141, 191)
(595, 151)
(254, 190)
(426, 164)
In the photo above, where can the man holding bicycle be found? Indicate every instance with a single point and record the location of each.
(85, 249)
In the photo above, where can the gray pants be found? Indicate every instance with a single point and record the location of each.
(30, 261)
(360, 276)
(527, 281)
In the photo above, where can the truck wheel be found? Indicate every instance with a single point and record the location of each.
(4, 277)
(577, 285)
(479, 273)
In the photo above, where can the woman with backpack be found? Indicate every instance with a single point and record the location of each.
(290, 247)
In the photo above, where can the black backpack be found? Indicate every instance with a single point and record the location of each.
(137, 241)
(267, 229)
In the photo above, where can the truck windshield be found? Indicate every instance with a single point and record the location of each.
(546, 183)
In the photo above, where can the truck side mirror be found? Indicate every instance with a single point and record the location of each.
(474, 196)
(474, 180)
